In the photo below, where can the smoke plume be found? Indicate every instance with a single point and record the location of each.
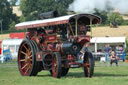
(88, 6)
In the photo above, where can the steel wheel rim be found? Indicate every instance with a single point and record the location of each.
(25, 59)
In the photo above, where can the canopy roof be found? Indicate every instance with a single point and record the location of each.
(60, 20)
(108, 40)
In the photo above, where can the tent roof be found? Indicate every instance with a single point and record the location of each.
(12, 41)
(108, 40)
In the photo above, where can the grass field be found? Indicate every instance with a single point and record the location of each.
(104, 75)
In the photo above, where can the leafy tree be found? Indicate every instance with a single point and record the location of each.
(12, 25)
(6, 14)
(116, 18)
(102, 14)
(22, 18)
(32, 8)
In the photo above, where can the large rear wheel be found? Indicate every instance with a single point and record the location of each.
(56, 65)
(88, 64)
(26, 59)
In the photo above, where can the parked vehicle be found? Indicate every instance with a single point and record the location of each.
(57, 44)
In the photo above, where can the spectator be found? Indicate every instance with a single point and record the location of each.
(114, 58)
(107, 50)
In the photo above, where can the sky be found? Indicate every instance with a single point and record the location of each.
(17, 2)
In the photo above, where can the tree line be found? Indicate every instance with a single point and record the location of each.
(32, 8)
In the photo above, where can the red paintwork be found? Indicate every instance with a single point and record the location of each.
(83, 40)
(0, 51)
(52, 38)
(0, 47)
(86, 38)
(17, 35)
(39, 56)
(54, 67)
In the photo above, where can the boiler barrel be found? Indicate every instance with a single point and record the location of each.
(70, 48)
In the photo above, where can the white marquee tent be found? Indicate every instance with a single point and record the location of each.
(12, 45)
(99, 42)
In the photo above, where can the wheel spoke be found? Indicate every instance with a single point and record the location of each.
(86, 64)
(27, 70)
(88, 70)
(29, 67)
(23, 53)
(30, 59)
(22, 60)
(27, 49)
(30, 56)
(30, 52)
(24, 66)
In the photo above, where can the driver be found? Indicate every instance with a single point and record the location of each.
(82, 29)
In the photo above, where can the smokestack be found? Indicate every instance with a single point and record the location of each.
(50, 14)
(88, 6)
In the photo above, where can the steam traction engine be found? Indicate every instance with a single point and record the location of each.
(56, 44)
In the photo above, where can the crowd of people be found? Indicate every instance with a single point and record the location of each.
(110, 55)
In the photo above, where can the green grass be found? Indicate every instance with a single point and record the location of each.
(103, 75)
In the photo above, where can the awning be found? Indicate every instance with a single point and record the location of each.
(108, 40)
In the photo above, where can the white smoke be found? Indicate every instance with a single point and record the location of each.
(88, 6)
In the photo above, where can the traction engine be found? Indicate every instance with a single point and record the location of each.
(57, 44)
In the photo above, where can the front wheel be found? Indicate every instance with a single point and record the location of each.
(26, 59)
(88, 64)
(56, 65)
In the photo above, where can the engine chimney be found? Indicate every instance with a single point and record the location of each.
(49, 14)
